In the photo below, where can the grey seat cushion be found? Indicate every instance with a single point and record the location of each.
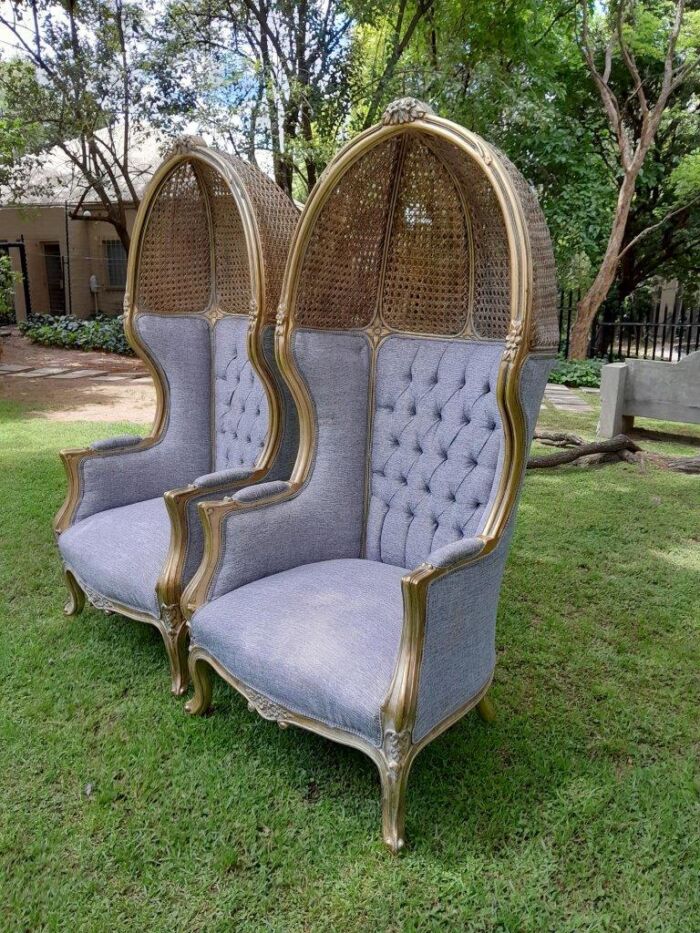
(120, 553)
(320, 639)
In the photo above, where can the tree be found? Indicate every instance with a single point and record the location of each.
(273, 72)
(76, 82)
(630, 32)
(283, 76)
(513, 74)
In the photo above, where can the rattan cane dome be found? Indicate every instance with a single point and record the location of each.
(412, 238)
(174, 262)
(197, 252)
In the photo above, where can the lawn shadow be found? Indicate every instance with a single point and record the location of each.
(669, 437)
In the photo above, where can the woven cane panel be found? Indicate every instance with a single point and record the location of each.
(233, 288)
(491, 303)
(426, 284)
(545, 317)
(174, 275)
(277, 217)
(340, 273)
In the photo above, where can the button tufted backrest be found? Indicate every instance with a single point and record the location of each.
(436, 439)
(240, 403)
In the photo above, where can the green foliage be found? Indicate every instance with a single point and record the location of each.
(686, 176)
(8, 281)
(578, 373)
(99, 333)
(575, 812)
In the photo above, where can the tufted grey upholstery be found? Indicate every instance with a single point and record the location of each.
(180, 346)
(336, 369)
(123, 487)
(459, 651)
(436, 438)
(240, 403)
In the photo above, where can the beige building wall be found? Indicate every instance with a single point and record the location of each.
(81, 251)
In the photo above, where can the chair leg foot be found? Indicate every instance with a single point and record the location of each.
(76, 596)
(394, 781)
(176, 647)
(200, 673)
(486, 709)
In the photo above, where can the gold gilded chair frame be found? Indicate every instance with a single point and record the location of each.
(398, 750)
(170, 623)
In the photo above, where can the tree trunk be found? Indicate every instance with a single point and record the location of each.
(590, 303)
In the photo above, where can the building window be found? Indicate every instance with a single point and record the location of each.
(115, 254)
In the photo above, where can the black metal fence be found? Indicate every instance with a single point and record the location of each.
(643, 329)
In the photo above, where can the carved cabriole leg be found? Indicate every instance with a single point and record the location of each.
(393, 770)
(76, 597)
(486, 709)
(200, 674)
(175, 638)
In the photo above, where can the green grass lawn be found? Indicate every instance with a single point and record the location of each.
(578, 810)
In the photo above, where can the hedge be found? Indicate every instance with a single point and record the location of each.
(578, 373)
(98, 333)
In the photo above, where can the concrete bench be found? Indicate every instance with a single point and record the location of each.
(650, 389)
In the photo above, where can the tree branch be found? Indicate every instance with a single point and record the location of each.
(660, 223)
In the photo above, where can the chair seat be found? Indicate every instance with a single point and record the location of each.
(120, 553)
(321, 639)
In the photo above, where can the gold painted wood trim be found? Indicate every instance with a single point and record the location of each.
(173, 634)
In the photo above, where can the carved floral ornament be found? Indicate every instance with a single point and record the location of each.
(97, 600)
(263, 706)
(405, 110)
(513, 340)
(185, 144)
(252, 315)
(396, 747)
(170, 613)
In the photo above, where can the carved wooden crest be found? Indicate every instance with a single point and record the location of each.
(405, 110)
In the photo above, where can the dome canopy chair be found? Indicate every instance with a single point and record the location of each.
(416, 330)
(205, 270)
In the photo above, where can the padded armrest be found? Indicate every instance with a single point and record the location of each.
(111, 443)
(261, 491)
(455, 552)
(221, 477)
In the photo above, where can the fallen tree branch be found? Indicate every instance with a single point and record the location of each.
(594, 453)
(611, 446)
(558, 439)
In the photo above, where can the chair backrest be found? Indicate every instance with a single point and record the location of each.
(205, 272)
(422, 267)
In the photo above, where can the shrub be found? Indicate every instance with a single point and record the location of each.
(8, 280)
(99, 333)
(578, 373)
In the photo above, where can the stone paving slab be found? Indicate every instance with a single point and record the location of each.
(13, 368)
(564, 399)
(37, 373)
(81, 374)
